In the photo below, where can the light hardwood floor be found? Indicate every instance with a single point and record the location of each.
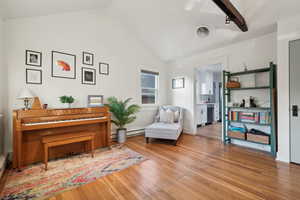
(198, 168)
(212, 131)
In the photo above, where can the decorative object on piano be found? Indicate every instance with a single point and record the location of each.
(67, 100)
(95, 100)
(34, 76)
(36, 105)
(104, 68)
(233, 83)
(87, 58)
(63, 65)
(88, 76)
(67, 173)
(177, 83)
(45, 106)
(123, 114)
(33, 58)
(26, 96)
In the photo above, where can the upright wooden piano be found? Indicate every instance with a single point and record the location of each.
(30, 126)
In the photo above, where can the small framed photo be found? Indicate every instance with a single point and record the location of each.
(88, 58)
(63, 65)
(95, 100)
(88, 76)
(178, 83)
(104, 68)
(33, 58)
(34, 76)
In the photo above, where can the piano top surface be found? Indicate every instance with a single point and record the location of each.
(21, 114)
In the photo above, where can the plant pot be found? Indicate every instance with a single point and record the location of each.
(66, 105)
(121, 135)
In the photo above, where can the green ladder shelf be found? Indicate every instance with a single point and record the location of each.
(271, 88)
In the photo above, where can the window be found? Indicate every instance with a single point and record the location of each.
(149, 82)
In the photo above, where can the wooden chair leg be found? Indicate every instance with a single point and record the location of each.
(86, 147)
(147, 140)
(92, 147)
(46, 156)
(175, 142)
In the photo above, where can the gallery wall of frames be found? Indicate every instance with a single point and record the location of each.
(64, 66)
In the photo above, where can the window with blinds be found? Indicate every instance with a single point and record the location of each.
(149, 85)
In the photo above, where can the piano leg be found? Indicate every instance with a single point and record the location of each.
(86, 147)
(108, 129)
(46, 156)
(19, 150)
(92, 147)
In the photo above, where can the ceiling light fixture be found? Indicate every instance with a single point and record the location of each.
(227, 20)
(203, 31)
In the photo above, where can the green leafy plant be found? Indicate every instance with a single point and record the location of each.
(123, 113)
(67, 99)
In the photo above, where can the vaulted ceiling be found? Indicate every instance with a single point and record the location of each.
(168, 27)
(11, 9)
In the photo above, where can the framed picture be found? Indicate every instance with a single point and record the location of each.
(88, 58)
(177, 83)
(88, 76)
(33, 58)
(34, 76)
(63, 65)
(104, 68)
(95, 100)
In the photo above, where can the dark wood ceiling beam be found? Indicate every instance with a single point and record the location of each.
(234, 15)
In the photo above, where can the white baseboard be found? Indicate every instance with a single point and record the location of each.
(282, 158)
(188, 131)
(131, 133)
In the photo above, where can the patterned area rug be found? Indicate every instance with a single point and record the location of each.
(64, 174)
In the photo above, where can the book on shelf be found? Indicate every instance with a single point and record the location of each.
(250, 117)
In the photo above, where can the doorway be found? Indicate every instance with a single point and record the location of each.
(208, 101)
(294, 101)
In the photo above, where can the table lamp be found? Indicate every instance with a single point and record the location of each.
(26, 96)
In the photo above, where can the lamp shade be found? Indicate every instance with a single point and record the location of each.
(25, 94)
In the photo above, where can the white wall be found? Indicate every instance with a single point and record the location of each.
(288, 30)
(3, 99)
(256, 53)
(93, 31)
(3, 70)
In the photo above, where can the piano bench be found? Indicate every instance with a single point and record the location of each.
(69, 138)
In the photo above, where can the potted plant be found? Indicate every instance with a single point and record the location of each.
(123, 114)
(67, 100)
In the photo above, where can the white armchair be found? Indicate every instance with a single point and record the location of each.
(161, 130)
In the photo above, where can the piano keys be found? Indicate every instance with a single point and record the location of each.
(63, 121)
(30, 126)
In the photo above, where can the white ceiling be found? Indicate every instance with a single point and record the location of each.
(29, 8)
(211, 68)
(165, 26)
(170, 30)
